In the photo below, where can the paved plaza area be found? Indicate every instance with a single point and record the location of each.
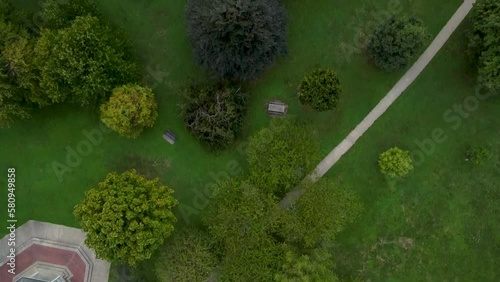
(51, 252)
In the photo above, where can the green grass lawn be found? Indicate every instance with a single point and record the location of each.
(433, 208)
(158, 33)
(441, 222)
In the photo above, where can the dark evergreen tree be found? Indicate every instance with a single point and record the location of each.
(396, 42)
(236, 39)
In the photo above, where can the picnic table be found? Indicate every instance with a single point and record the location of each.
(169, 136)
(276, 108)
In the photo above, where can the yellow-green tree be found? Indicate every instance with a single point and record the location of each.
(126, 217)
(395, 162)
(130, 109)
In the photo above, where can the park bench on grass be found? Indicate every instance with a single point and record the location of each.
(169, 136)
(276, 108)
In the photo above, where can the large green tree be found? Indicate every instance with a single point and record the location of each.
(484, 42)
(396, 41)
(17, 14)
(238, 219)
(16, 74)
(82, 63)
(213, 113)
(322, 211)
(59, 13)
(281, 155)
(238, 211)
(129, 110)
(236, 39)
(187, 256)
(126, 217)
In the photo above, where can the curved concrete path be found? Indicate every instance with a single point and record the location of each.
(387, 101)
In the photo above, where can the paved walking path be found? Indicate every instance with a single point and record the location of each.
(387, 101)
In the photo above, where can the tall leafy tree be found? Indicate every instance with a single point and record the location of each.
(82, 63)
(396, 41)
(59, 13)
(238, 211)
(17, 14)
(15, 75)
(187, 256)
(126, 217)
(236, 39)
(129, 110)
(484, 42)
(322, 211)
(238, 219)
(253, 261)
(281, 155)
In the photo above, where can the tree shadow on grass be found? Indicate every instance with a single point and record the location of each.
(149, 168)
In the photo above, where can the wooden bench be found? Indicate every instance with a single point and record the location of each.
(169, 136)
(276, 108)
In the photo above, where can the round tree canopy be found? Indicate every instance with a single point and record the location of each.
(236, 39)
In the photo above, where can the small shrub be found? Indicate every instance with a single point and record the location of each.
(130, 109)
(396, 42)
(320, 90)
(395, 162)
(478, 154)
(213, 113)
